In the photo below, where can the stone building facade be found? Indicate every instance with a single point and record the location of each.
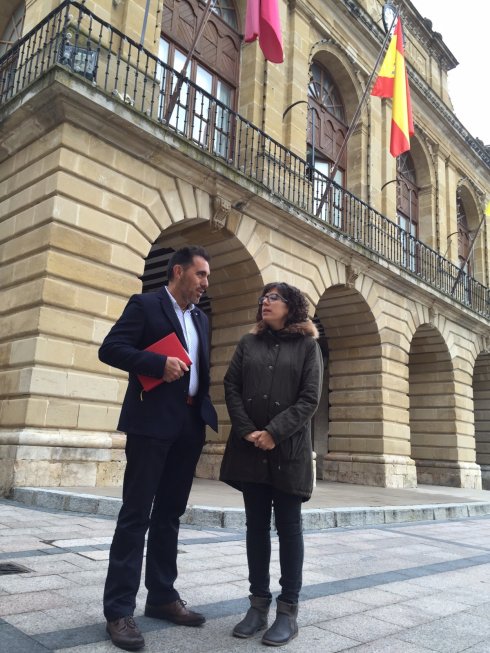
(100, 179)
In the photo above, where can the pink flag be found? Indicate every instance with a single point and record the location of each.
(263, 21)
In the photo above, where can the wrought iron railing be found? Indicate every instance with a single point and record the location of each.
(73, 37)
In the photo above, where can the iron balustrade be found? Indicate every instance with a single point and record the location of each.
(73, 37)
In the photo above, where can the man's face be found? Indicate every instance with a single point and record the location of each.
(192, 282)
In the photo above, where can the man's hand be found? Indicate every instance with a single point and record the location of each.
(261, 439)
(174, 369)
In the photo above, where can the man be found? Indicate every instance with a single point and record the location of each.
(165, 435)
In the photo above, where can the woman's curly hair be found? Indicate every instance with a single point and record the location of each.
(297, 302)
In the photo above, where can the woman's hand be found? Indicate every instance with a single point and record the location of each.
(261, 439)
(252, 437)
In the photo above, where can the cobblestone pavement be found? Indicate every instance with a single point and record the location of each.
(404, 587)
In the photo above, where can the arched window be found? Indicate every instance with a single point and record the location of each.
(10, 35)
(464, 240)
(407, 211)
(214, 67)
(326, 133)
(226, 10)
(13, 30)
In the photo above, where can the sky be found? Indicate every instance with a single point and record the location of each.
(464, 29)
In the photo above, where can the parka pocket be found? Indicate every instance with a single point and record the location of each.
(291, 447)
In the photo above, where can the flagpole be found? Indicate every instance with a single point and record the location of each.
(176, 92)
(355, 119)
(465, 262)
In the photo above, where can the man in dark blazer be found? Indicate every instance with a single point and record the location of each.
(165, 429)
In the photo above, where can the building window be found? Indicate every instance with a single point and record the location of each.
(214, 68)
(226, 10)
(407, 210)
(9, 37)
(464, 240)
(326, 134)
(13, 30)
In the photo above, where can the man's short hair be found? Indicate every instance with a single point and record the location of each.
(184, 256)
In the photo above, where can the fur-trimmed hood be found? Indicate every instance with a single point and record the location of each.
(307, 328)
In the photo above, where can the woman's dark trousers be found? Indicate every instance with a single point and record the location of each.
(259, 499)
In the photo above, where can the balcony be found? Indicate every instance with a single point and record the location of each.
(74, 38)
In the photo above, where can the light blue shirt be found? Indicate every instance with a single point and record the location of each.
(192, 340)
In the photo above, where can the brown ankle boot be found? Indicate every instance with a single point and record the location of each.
(255, 619)
(285, 627)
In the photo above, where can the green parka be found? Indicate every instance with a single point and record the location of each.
(273, 383)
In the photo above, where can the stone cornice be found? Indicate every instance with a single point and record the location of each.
(474, 144)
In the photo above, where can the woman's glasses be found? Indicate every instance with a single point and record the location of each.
(272, 297)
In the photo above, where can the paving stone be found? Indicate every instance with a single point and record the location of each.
(109, 506)
(360, 627)
(400, 614)
(14, 641)
(450, 634)
(359, 516)
(318, 519)
(390, 645)
(233, 518)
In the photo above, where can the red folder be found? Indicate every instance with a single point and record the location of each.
(168, 346)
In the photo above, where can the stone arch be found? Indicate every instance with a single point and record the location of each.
(457, 438)
(355, 430)
(432, 410)
(235, 284)
(481, 399)
(334, 59)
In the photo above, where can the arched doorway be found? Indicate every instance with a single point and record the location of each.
(353, 392)
(481, 399)
(432, 409)
(230, 304)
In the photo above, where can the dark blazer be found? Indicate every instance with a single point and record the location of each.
(160, 412)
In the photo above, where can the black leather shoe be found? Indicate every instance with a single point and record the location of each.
(125, 634)
(175, 612)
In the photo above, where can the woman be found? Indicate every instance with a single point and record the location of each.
(272, 390)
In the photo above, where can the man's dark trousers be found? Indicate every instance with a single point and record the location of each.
(157, 484)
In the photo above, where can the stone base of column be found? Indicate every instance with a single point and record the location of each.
(210, 461)
(450, 474)
(365, 469)
(42, 458)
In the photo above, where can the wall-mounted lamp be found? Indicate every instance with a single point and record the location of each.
(286, 111)
(388, 14)
(392, 181)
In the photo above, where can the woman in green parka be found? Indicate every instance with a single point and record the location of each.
(272, 390)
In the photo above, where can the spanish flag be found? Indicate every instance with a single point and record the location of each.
(392, 82)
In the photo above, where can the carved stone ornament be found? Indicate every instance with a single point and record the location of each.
(222, 210)
(432, 316)
(351, 275)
